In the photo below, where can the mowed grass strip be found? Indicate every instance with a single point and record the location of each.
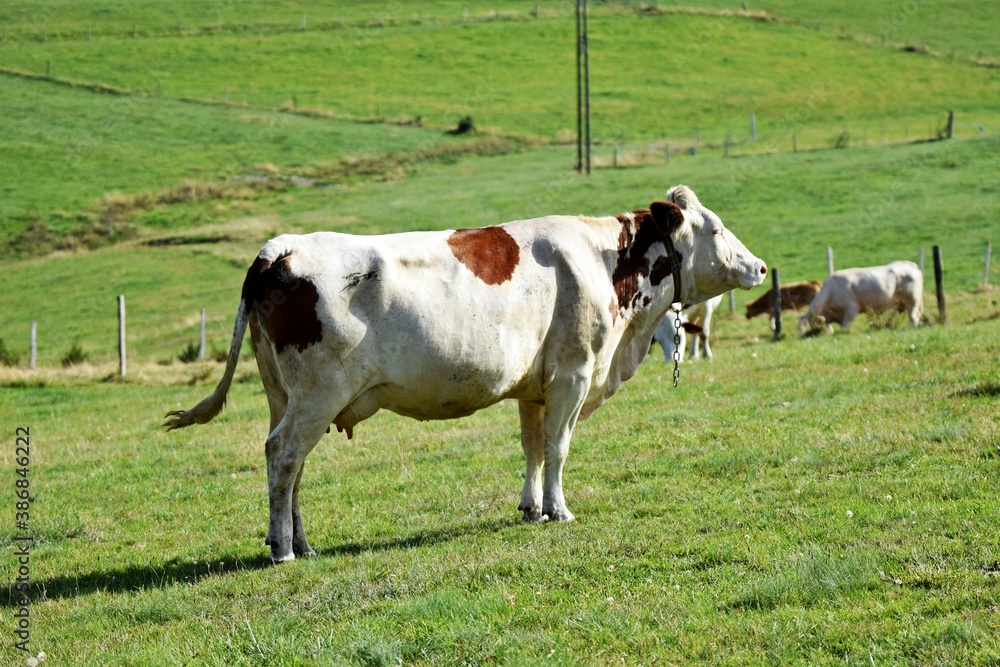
(685, 73)
(799, 501)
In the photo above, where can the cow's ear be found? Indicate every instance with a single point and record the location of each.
(667, 215)
(683, 196)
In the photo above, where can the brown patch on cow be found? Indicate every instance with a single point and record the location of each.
(491, 253)
(286, 304)
(640, 230)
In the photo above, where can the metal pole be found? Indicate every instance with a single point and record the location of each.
(986, 268)
(201, 343)
(579, 88)
(939, 286)
(829, 260)
(121, 334)
(776, 302)
(586, 78)
(34, 345)
(732, 301)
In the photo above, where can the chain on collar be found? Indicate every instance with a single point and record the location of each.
(676, 309)
(675, 260)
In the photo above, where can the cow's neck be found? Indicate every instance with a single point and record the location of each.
(644, 288)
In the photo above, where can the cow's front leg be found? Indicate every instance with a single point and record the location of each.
(533, 442)
(561, 412)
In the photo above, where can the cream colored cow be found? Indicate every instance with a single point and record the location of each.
(898, 286)
(554, 312)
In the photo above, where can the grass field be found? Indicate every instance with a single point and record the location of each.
(812, 501)
(819, 501)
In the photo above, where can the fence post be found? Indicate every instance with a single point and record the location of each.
(201, 340)
(753, 126)
(986, 268)
(34, 345)
(951, 124)
(668, 153)
(921, 259)
(776, 302)
(829, 260)
(732, 301)
(938, 285)
(121, 333)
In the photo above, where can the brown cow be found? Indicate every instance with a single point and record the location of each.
(794, 296)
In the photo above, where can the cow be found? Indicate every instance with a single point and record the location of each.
(695, 320)
(898, 286)
(794, 296)
(554, 312)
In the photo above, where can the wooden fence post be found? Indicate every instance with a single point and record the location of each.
(732, 301)
(121, 333)
(921, 259)
(829, 260)
(776, 302)
(34, 345)
(938, 285)
(201, 343)
(951, 124)
(986, 267)
(753, 126)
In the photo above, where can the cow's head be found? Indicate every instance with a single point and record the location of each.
(715, 258)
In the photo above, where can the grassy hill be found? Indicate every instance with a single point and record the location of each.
(688, 73)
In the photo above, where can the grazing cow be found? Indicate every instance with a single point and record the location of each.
(898, 286)
(554, 312)
(695, 320)
(794, 296)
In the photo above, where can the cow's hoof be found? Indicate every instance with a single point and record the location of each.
(533, 516)
(559, 515)
(281, 558)
(308, 552)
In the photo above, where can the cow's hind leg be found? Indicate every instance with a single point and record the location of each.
(300, 545)
(286, 450)
(533, 442)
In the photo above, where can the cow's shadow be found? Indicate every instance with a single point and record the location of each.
(185, 572)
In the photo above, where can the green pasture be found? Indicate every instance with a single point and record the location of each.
(948, 27)
(812, 501)
(64, 148)
(688, 74)
(872, 206)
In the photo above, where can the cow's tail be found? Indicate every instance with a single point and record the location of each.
(205, 411)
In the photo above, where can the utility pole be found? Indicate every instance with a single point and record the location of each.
(586, 78)
(579, 87)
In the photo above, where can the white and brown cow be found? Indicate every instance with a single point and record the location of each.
(898, 286)
(695, 320)
(554, 312)
(794, 296)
